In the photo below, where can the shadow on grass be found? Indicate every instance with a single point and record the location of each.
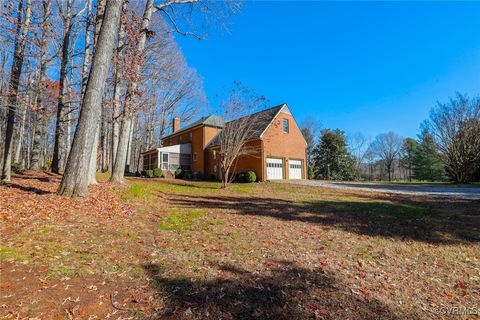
(178, 183)
(440, 188)
(407, 220)
(286, 291)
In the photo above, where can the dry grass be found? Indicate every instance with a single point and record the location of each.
(268, 251)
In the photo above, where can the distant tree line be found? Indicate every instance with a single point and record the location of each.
(446, 149)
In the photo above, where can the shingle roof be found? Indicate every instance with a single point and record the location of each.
(211, 120)
(262, 121)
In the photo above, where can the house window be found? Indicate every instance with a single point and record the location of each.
(214, 154)
(194, 156)
(285, 125)
(170, 142)
(191, 136)
(165, 161)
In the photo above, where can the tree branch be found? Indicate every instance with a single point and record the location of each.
(175, 26)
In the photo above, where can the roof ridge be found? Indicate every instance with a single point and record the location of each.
(260, 111)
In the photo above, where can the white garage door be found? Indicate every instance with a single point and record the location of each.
(274, 168)
(295, 169)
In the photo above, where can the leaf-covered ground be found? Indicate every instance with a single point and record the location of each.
(160, 249)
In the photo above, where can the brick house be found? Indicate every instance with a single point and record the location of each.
(194, 148)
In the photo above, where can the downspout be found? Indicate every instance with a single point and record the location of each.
(263, 161)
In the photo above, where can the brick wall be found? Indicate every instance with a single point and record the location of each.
(289, 145)
(251, 162)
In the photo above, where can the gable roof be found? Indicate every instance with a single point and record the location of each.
(262, 121)
(211, 121)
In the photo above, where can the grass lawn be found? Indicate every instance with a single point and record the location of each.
(423, 183)
(159, 249)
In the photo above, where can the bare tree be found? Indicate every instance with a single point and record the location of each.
(233, 139)
(358, 145)
(117, 86)
(130, 96)
(23, 25)
(310, 129)
(171, 10)
(75, 182)
(58, 149)
(88, 49)
(41, 109)
(387, 148)
(456, 128)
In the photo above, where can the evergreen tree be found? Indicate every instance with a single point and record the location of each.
(427, 164)
(409, 150)
(332, 161)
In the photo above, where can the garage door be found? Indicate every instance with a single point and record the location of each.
(274, 168)
(295, 169)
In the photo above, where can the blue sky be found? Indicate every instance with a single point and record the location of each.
(371, 67)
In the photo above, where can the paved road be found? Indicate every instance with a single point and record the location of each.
(429, 191)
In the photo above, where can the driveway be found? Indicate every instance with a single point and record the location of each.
(429, 191)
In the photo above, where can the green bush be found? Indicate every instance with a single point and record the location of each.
(157, 173)
(179, 173)
(250, 176)
(17, 167)
(311, 173)
(246, 177)
(149, 173)
(240, 177)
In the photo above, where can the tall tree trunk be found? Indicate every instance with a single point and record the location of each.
(120, 159)
(21, 133)
(59, 145)
(117, 87)
(18, 56)
(115, 133)
(129, 147)
(104, 145)
(92, 166)
(4, 54)
(86, 58)
(75, 181)
(41, 110)
(118, 171)
(98, 22)
(92, 170)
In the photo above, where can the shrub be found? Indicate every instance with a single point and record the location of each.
(143, 173)
(179, 173)
(157, 173)
(149, 173)
(17, 167)
(240, 177)
(311, 173)
(246, 177)
(250, 176)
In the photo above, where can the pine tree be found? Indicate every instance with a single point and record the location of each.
(427, 164)
(409, 150)
(332, 161)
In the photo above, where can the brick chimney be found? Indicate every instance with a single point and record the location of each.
(176, 124)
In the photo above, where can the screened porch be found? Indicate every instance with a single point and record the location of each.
(169, 158)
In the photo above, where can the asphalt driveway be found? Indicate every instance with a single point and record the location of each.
(429, 191)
